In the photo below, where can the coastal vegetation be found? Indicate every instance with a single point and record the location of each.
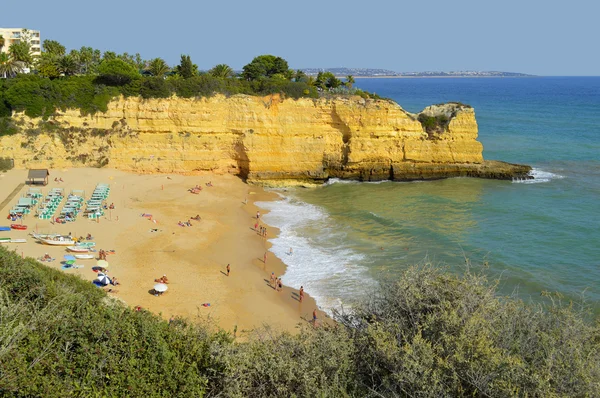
(428, 333)
(87, 79)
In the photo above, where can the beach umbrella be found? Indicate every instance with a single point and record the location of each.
(161, 287)
(103, 279)
(102, 263)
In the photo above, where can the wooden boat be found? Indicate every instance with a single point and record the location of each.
(18, 226)
(84, 256)
(5, 240)
(78, 249)
(4, 228)
(60, 241)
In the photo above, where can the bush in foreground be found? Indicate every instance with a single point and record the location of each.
(427, 334)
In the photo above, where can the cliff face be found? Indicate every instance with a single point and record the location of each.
(266, 140)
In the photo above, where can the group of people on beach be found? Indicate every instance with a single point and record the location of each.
(187, 223)
(196, 189)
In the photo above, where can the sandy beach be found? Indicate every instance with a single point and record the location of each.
(193, 258)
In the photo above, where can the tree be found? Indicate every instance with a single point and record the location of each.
(222, 71)
(47, 66)
(53, 47)
(21, 51)
(67, 65)
(87, 59)
(300, 76)
(349, 81)
(186, 68)
(2, 42)
(327, 80)
(116, 72)
(108, 55)
(158, 67)
(9, 67)
(265, 66)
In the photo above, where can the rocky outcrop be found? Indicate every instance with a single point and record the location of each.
(266, 140)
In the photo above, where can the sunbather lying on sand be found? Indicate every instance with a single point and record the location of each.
(162, 279)
(197, 218)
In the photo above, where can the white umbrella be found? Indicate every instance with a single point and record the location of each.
(103, 279)
(161, 287)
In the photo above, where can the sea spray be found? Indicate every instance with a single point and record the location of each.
(321, 259)
(539, 176)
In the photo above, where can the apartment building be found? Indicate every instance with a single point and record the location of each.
(15, 35)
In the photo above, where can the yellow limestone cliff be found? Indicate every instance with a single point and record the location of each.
(264, 139)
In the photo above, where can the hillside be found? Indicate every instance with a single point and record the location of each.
(426, 334)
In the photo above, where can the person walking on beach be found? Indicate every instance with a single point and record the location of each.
(256, 226)
(265, 258)
(257, 215)
(228, 269)
(273, 279)
(301, 293)
(279, 285)
(315, 317)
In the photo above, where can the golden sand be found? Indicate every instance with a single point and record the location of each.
(193, 258)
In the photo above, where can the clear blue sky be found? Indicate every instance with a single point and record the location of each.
(541, 37)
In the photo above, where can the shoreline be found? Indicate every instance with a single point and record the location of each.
(194, 258)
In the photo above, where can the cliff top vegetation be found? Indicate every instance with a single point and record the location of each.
(87, 79)
(426, 334)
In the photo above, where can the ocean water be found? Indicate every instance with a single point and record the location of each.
(539, 235)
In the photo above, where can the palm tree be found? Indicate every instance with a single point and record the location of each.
(9, 67)
(349, 81)
(222, 70)
(68, 65)
(158, 67)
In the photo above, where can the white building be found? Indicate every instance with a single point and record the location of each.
(15, 35)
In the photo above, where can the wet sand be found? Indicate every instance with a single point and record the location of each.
(193, 258)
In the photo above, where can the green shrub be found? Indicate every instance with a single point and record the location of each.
(116, 72)
(433, 334)
(155, 87)
(434, 124)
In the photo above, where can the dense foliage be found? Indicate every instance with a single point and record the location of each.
(88, 79)
(427, 334)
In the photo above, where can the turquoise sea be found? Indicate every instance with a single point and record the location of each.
(540, 235)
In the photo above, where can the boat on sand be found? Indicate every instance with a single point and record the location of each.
(58, 241)
(78, 249)
(84, 256)
(18, 226)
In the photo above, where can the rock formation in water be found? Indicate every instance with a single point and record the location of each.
(264, 139)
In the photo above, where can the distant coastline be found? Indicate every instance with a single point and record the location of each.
(437, 77)
(386, 73)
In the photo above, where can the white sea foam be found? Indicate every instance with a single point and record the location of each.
(332, 181)
(321, 261)
(539, 176)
